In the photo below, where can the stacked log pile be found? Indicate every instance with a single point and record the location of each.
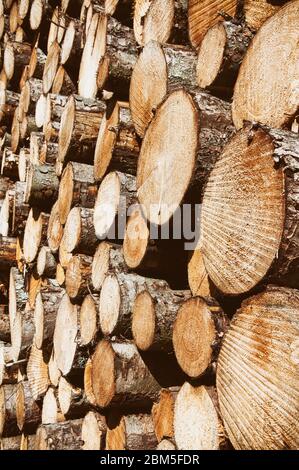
(115, 116)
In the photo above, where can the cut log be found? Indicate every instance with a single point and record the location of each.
(253, 98)
(55, 229)
(257, 379)
(94, 431)
(163, 177)
(72, 400)
(60, 275)
(41, 186)
(199, 281)
(10, 443)
(163, 414)
(197, 335)
(158, 70)
(221, 53)
(88, 387)
(131, 432)
(77, 277)
(117, 193)
(45, 313)
(64, 256)
(66, 350)
(120, 52)
(166, 444)
(77, 188)
(260, 186)
(8, 418)
(63, 83)
(35, 234)
(15, 57)
(20, 209)
(161, 21)
(108, 258)
(51, 413)
(46, 264)
(27, 410)
(27, 442)
(9, 165)
(5, 185)
(197, 425)
(51, 66)
(8, 370)
(120, 377)
(117, 146)
(78, 130)
(60, 436)
(23, 164)
(154, 313)
(37, 372)
(256, 12)
(6, 214)
(203, 14)
(54, 372)
(7, 251)
(79, 234)
(42, 151)
(89, 320)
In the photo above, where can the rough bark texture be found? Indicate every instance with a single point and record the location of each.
(131, 432)
(42, 186)
(60, 436)
(28, 411)
(8, 417)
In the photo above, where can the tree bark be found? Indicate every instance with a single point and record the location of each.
(27, 410)
(60, 436)
(72, 400)
(7, 252)
(8, 418)
(163, 414)
(20, 209)
(9, 166)
(10, 443)
(131, 432)
(108, 258)
(79, 234)
(77, 277)
(112, 386)
(41, 186)
(4, 324)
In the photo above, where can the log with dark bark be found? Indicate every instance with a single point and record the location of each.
(116, 194)
(162, 21)
(158, 70)
(27, 410)
(130, 432)
(196, 410)
(42, 186)
(256, 374)
(117, 146)
(163, 177)
(20, 209)
(120, 377)
(253, 97)
(4, 324)
(8, 417)
(9, 165)
(260, 186)
(10, 443)
(197, 335)
(221, 53)
(45, 312)
(7, 251)
(77, 277)
(77, 188)
(60, 436)
(154, 313)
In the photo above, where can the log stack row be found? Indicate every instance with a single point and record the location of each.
(120, 122)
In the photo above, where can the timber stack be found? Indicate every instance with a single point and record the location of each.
(121, 121)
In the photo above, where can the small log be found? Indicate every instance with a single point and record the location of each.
(77, 188)
(107, 258)
(112, 386)
(94, 429)
(6, 214)
(154, 312)
(60, 275)
(88, 387)
(45, 313)
(79, 234)
(78, 130)
(55, 229)
(117, 146)
(130, 432)
(60, 436)
(197, 335)
(46, 264)
(41, 186)
(9, 165)
(158, 70)
(27, 442)
(8, 418)
(163, 414)
(20, 209)
(162, 21)
(27, 410)
(199, 281)
(7, 251)
(23, 164)
(72, 400)
(5, 185)
(116, 194)
(35, 234)
(77, 277)
(51, 413)
(51, 66)
(89, 320)
(41, 151)
(166, 444)
(195, 408)
(37, 373)
(54, 372)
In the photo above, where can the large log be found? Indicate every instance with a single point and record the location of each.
(130, 432)
(162, 21)
(154, 313)
(257, 379)
(116, 194)
(158, 70)
(196, 410)
(197, 335)
(256, 84)
(259, 186)
(120, 377)
(117, 146)
(163, 177)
